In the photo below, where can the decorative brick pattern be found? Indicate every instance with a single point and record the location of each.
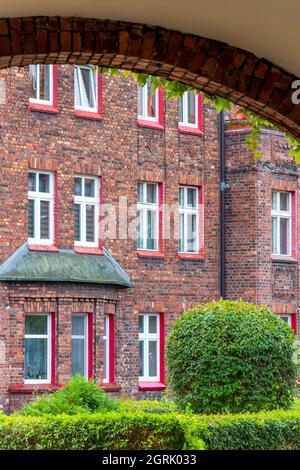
(210, 65)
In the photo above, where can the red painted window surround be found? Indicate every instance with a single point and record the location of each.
(94, 116)
(46, 108)
(157, 125)
(195, 130)
(200, 255)
(97, 250)
(161, 246)
(294, 322)
(293, 257)
(111, 385)
(54, 246)
(161, 384)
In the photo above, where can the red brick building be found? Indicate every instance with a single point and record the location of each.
(111, 225)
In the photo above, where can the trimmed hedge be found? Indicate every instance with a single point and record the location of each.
(231, 357)
(111, 431)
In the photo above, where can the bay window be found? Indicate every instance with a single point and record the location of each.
(40, 208)
(80, 345)
(37, 348)
(188, 219)
(86, 211)
(281, 227)
(148, 216)
(149, 348)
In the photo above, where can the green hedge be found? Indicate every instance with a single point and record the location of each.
(111, 431)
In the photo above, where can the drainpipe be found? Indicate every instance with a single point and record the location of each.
(223, 187)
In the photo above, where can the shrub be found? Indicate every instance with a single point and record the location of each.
(77, 396)
(149, 406)
(230, 356)
(111, 431)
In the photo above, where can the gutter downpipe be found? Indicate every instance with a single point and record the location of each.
(223, 187)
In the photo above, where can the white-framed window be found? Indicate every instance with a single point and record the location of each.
(86, 88)
(188, 219)
(287, 318)
(148, 216)
(188, 109)
(40, 207)
(148, 105)
(281, 223)
(106, 355)
(149, 348)
(41, 84)
(37, 348)
(80, 345)
(86, 211)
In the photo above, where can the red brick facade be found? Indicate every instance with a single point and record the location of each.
(122, 153)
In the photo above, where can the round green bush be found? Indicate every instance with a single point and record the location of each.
(230, 356)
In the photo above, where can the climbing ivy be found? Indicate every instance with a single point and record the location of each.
(176, 89)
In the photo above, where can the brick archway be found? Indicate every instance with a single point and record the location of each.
(207, 64)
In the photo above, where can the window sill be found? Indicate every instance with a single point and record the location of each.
(88, 115)
(33, 388)
(110, 387)
(152, 386)
(283, 259)
(150, 124)
(49, 248)
(189, 130)
(150, 254)
(87, 250)
(43, 108)
(191, 256)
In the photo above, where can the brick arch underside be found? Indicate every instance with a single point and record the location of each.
(210, 65)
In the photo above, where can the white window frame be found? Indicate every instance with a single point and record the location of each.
(279, 214)
(185, 122)
(144, 207)
(85, 337)
(38, 197)
(146, 337)
(49, 351)
(94, 71)
(288, 316)
(38, 100)
(84, 201)
(186, 210)
(106, 341)
(144, 116)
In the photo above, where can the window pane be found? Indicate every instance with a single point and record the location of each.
(274, 235)
(31, 182)
(152, 193)
(191, 232)
(36, 358)
(181, 232)
(152, 324)
(44, 220)
(36, 325)
(191, 102)
(76, 86)
(180, 109)
(284, 236)
(78, 356)
(140, 101)
(77, 227)
(87, 89)
(284, 202)
(151, 230)
(274, 200)
(105, 327)
(140, 192)
(141, 323)
(89, 187)
(31, 204)
(33, 81)
(78, 325)
(181, 197)
(44, 183)
(151, 101)
(78, 186)
(140, 230)
(45, 82)
(90, 223)
(153, 346)
(141, 358)
(191, 197)
(105, 363)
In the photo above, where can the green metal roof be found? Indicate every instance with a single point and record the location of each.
(63, 266)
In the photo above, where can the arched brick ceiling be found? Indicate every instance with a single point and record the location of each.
(211, 65)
